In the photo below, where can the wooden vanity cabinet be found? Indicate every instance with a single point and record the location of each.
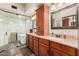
(35, 45)
(42, 22)
(30, 42)
(57, 49)
(43, 47)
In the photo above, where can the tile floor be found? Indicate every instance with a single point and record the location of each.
(15, 49)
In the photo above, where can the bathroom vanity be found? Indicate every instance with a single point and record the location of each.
(52, 46)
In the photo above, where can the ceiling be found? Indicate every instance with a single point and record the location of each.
(27, 9)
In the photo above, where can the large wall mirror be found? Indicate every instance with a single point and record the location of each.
(65, 17)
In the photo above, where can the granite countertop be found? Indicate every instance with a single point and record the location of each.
(69, 42)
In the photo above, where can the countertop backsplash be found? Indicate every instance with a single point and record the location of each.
(66, 33)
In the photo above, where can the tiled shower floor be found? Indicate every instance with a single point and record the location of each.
(15, 49)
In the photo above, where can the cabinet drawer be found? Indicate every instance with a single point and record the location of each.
(44, 41)
(63, 48)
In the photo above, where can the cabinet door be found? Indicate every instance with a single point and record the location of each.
(35, 47)
(55, 52)
(39, 22)
(30, 42)
(42, 15)
(43, 50)
(66, 49)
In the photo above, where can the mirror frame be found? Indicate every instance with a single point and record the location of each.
(77, 21)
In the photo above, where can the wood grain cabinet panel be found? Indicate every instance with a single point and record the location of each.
(43, 47)
(43, 50)
(35, 46)
(39, 21)
(42, 22)
(78, 52)
(54, 52)
(35, 43)
(66, 49)
(35, 49)
(44, 41)
(30, 42)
